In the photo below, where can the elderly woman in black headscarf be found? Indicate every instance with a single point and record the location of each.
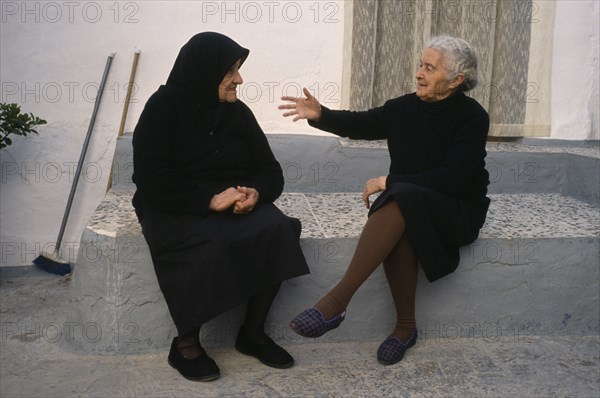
(206, 180)
(434, 197)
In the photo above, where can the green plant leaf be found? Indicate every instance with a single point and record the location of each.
(12, 121)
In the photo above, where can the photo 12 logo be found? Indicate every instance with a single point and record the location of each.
(271, 92)
(71, 92)
(53, 12)
(90, 332)
(270, 11)
(49, 172)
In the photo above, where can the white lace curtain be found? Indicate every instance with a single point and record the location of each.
(512, 39)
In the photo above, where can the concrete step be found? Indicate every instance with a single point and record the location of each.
(331, 164)
(534, 269)
(520, 364)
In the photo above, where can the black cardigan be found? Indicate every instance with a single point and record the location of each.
(183, 154)
(438, 145)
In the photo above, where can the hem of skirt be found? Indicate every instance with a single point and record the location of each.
(236, 303)
(385, 197)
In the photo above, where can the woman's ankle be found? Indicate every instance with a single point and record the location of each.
(189, 345)
(329, 307)
(404, 331)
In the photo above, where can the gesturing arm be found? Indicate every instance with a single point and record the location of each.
(367, 125)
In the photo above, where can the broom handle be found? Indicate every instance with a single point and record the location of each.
(83, 151)
(136, 57)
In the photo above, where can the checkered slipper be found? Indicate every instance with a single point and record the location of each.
(312, 323)
(392, 350)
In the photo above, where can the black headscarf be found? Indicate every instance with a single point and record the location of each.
(202, 64)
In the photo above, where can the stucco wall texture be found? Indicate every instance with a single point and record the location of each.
(52, 55)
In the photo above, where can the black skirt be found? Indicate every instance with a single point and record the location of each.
(207, 265)
(436, 224)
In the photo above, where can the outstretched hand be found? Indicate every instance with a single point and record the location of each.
(302, 108)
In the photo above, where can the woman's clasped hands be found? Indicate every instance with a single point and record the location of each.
(243, 200)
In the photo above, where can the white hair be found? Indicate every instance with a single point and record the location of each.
(459, 58)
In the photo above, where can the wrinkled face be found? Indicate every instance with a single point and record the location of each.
(432, 77)
(228, 87)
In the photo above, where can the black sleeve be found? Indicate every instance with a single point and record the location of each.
(267, 176)
(155, 175)
(366, 125)
(465, 156)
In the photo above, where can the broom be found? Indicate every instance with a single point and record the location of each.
(51, 262)
(136, 57)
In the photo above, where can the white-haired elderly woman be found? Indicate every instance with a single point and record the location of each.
(434, 197)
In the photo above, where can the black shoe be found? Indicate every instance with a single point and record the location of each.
(202, 368)
(265, 351)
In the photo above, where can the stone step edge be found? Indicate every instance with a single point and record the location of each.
(343, 215)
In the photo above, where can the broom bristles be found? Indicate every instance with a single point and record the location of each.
(50, 262)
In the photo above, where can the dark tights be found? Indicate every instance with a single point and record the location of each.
(256, 314)
(382, 241)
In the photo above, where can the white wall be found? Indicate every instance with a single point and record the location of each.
(52, 54)
(52, 58)
(575, 71)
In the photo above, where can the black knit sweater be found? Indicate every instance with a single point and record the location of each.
(438, 145)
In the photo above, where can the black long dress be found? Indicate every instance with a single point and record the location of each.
(437, 171)
(187, 148)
